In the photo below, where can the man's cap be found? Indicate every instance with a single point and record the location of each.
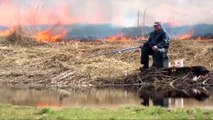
(157, 23)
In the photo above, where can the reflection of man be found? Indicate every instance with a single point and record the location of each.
(145, 101)
(157, 45)
(157, 99)
(199, 94)
(163, 102)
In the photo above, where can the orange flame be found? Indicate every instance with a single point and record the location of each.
(118, 38)
(44, 104)
(121, 38)
(6, 32)
(186, 36)
(203, 39)
(48, 36)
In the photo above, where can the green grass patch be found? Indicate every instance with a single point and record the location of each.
(15, 112)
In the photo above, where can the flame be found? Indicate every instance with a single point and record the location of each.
(118, 38)
(186, 36)
(6, 32)
(45, 36)
(49, 36)
(44, 104)
(121, 38)
(204, 39)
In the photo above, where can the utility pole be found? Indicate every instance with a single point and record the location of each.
(144, 17)
(139, 27)
(138, 20)
(141, 22)
(144, 22)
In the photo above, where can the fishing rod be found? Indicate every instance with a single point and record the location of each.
(118, 51)
(123, 50)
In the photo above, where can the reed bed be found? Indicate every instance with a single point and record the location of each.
(77, 64)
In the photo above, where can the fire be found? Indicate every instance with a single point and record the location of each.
(44, 104)
(6, 32)
(45, 36)
(49, 36)
(121, 38)
(204, 39)
(186, 36)
(118, 38)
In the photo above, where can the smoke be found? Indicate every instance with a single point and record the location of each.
(118, 12)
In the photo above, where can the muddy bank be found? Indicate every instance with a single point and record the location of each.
(75, 64)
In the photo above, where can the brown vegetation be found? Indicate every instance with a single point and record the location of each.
(18, 36)
(81, 64)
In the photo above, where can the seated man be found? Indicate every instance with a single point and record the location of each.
(157, 46)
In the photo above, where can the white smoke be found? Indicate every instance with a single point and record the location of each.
(119, 12)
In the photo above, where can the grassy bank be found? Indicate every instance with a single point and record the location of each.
(81, 64)
(15, 112)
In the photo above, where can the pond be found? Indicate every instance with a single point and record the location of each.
(108, 97)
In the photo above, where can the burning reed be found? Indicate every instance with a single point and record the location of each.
(17, 36)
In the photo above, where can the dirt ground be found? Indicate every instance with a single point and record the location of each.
(82, 64)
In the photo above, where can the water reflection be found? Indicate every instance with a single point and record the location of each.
(62, 98)
(109, 98)
(173, 98)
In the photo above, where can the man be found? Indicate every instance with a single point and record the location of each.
(157, 46)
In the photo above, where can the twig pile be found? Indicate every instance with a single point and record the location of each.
(175, 77)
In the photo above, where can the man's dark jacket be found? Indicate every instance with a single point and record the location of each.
(159, 39)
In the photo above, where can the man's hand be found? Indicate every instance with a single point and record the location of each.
(141, 46)
(154, 48)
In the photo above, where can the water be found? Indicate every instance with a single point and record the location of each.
(108, 98)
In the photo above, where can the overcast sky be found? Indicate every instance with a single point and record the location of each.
(118, 12)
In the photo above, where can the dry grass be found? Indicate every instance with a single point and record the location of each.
(18, 36)
(193, 52)
(75, 64)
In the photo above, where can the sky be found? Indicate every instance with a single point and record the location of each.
(117, 12)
